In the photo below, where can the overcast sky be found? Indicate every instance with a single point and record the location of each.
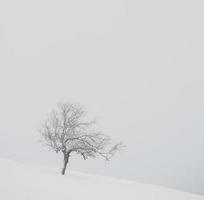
(136, 65)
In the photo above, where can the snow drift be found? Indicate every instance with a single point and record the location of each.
(20, 181)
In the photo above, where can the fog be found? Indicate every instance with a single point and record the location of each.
(137, 66)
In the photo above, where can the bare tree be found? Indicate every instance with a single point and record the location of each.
(67, 131)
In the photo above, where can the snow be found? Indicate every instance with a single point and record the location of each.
(21, 181)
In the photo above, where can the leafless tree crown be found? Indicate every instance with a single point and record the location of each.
(67, 131)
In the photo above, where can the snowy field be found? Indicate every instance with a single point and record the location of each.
(20, 181)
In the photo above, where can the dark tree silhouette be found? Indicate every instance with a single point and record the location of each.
(67, 131)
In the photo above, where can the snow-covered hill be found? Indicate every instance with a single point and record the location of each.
(20, 181)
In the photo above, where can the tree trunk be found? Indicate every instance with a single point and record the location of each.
(66, 159)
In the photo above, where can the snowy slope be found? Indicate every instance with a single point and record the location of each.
(26, 182)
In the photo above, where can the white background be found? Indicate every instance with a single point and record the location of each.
(136, 65)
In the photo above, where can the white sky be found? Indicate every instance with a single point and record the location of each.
(136, 65)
